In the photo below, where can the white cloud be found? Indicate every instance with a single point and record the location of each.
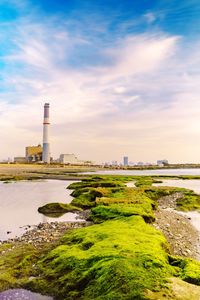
(138, 104)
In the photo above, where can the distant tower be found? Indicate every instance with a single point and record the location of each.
(46, 145)
(125, 161)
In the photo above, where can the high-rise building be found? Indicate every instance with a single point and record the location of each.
(125, 161)
(46, 144)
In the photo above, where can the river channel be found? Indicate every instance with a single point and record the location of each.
(19, 202)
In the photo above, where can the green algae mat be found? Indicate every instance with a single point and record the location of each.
(120, 256)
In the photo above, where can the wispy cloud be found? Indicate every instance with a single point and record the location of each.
(136, 99)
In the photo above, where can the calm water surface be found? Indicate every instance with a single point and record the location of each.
(192, 184)
(147, 172)
(20, 200)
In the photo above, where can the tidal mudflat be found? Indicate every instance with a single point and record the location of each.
(122, 239)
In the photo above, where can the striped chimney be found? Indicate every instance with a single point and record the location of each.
(46, 145)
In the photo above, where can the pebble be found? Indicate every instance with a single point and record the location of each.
(45, 233)
(180, 234)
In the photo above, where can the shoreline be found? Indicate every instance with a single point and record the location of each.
(182, 236)
(44, 233)
(177, 227)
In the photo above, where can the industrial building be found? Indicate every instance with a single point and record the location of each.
(68, 159)
(71, 159)
(19, 159)
(42, 153)
(34, 153)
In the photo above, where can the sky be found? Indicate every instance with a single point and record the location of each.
(122, 78)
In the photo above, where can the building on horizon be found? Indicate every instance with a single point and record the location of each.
(34, 153)
(125, 161)
(162, 162)
(20, 159)
(71, 159)
(68, 159)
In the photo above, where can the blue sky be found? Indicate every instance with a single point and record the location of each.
(121, 77)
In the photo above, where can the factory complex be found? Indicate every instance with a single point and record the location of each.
(41, 154)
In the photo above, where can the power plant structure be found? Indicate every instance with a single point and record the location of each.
(46, 144)
(41, 153)
(33, 153)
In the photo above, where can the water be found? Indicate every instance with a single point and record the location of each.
(167, 172)
(195, 218)
(19, 202)
(191, 184)
(130, 184)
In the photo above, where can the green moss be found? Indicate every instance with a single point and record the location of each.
(16, 264)
(94, 184)
(123, 257)
(156, 193)
(189, 201)
(146, 181)
(189, 269)
(125, 202)
(85, 197)
(132, 251)
(57, 208)
(102, 213)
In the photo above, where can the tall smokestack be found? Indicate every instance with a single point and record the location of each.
(46, 145)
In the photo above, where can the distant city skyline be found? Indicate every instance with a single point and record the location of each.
(120, 76)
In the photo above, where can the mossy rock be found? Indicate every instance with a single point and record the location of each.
(57, 208)
(118, 259)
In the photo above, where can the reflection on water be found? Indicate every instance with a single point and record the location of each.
(20, 200)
